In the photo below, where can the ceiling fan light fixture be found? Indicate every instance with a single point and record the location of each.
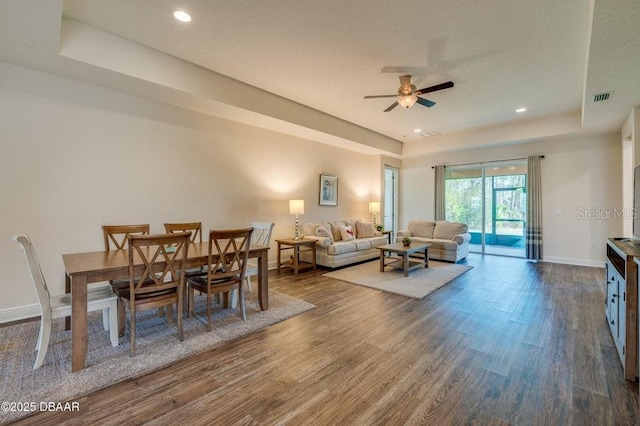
(407, 101)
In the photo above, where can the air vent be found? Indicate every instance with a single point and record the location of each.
(601, 97)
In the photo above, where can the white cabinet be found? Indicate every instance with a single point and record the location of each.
(621, 302)
(616, 307)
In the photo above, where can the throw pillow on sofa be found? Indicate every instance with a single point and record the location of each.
(323, 232)
(422, 228)
(347, 233)
(446, 230)
(365, 230)
(335, 229)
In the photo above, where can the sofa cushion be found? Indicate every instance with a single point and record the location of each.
(335, 230)
(347, 233)
(341, 247)
(362, 244)
(446, 230)
(322, 231)
(422, 228)
(437, 244)
(377, 241)
(365, 230)
(310, 228)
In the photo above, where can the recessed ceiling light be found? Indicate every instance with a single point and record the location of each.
(521, 110)
(182, 16)
(417, 130)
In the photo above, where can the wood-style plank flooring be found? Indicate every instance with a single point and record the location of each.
(508, 343)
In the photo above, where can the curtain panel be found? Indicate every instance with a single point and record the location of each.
(439, 193)
(533, 239)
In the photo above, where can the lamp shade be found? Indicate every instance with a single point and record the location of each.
(407, 101)
(296, 206)
(374, 207)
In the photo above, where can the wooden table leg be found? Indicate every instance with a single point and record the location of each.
(426, 257)
(78, 322)
(279, 254)
(67, 289)
(381, 260)
(296, 259)
(405, 258)
(263, 280)
(313, 253)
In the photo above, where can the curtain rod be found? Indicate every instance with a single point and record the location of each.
(487, 162)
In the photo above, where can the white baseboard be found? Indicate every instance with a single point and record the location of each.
(577, 262)
(21, 312)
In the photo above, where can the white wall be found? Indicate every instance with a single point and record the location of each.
(579, 174)
(74, 156)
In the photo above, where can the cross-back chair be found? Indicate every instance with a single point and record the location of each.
(228, 253)
(152, 286)
(52, 307)
(262, 237)
(116, 238)
(196, 237)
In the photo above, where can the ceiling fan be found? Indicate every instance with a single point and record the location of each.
(408, 95)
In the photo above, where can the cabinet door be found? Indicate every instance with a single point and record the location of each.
(622, 316)
(611, 308)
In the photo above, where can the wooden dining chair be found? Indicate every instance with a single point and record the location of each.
(262, 237)
(228, 253)
(196, 237)
(52, 307)
(155, 288)
(115, 238)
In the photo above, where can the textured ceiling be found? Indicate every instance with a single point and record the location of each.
(501, 54)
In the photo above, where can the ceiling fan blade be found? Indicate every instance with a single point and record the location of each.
(405, 83)
(426, 102)
(435, 88)
(392, 106)
(380, 96)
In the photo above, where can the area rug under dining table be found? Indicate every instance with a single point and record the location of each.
(157, 345)
(420, 283)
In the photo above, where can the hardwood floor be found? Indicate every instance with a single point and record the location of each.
(509, 342)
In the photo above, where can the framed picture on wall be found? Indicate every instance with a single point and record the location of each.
(328, 190)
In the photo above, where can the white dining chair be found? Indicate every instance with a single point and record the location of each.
(51, 307)
(262, 237)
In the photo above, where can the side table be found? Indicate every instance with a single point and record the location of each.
(387, 234)
(295, 262)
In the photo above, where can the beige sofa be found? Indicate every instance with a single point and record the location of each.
(333, 251)
(449, 240)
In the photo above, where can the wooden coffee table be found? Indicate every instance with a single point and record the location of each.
(404, 262)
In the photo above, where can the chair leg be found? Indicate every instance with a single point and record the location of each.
(122, 318)
(105, 319)
(208, 311)
(243, 313)
(113, 322)
(248, 281)
(132, 331)
(43, 340)
(191, 302)
(169, 310)
(179, 318)
(234, 299)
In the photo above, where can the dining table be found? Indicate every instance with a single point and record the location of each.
(82, 269)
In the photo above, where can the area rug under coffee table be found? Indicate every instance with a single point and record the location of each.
(420, 282)
(157, 345)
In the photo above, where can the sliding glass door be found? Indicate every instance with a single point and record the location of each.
(491, 200)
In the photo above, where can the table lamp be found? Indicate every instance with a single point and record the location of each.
(296, 207)
(374, 207)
